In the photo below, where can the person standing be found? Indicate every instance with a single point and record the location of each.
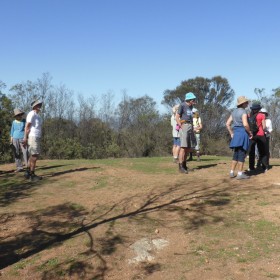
(184, 120)
(17, 136)
(267, 133)
(240, 135)
(32, 136)
(197, 126)
(175, 134)
(258, 139)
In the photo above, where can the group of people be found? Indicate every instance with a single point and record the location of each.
(25, 140)
(186, 127)
(248, 132)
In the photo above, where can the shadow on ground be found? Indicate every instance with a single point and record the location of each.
(52, 226)
(13, 186)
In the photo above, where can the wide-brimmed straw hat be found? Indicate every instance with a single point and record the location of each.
(18, 112)
(241, 100)
(36, 102)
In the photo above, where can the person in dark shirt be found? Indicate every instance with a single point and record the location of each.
(184, 119)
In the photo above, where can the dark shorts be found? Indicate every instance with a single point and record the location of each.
(239, 154)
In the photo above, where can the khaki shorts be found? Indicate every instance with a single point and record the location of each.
(34, 147)
(187, 137)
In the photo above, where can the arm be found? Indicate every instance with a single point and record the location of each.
(26, 132)
(246, 125)
(178, 119)
(264, 125)
(228, 124)
(12, 132)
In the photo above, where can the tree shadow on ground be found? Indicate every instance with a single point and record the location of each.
(45, 167)
(206, 166)
(52, 226)
(12, 171)
(70, 171)
(13, 188)
(12, 191)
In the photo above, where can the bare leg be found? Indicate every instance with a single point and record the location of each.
(32, 162)
(182, 155)
(233, 165)
(240, 166)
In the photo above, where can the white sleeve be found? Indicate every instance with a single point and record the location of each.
(268, 125)
(29, 117)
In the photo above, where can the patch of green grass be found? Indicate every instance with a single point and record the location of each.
(77, 207)
(22, 264)
(263, 203)
(100, 183)
(51, 263)
(272, 275)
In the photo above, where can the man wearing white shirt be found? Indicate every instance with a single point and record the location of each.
(33, 132)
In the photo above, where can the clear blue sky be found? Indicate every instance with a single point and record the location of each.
(142, 46)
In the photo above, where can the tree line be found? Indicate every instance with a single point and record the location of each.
(94, 127)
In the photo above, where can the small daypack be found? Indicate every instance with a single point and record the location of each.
(253, 124)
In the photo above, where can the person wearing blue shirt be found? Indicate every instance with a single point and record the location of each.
(17, 136)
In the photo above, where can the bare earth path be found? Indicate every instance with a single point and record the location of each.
(139, 219)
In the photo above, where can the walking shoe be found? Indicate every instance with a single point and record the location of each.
(231, 175)
(242, 176)
(35, 178)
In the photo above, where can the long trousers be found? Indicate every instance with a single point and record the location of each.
(260, 141)
(18, 149)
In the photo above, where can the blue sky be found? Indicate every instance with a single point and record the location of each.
(141, 46)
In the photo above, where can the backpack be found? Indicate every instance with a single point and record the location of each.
(253, 124)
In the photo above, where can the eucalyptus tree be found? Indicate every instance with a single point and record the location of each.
(138, 126)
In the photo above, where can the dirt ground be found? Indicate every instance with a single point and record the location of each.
(139, 219)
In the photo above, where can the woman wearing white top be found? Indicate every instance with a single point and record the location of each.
(267, 132)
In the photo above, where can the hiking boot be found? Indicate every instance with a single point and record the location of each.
(182, 168)
(242, 176)
(35, 178)
(26, 174)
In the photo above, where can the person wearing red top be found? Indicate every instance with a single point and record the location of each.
(258, 139)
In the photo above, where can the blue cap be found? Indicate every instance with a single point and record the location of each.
(190, 96)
